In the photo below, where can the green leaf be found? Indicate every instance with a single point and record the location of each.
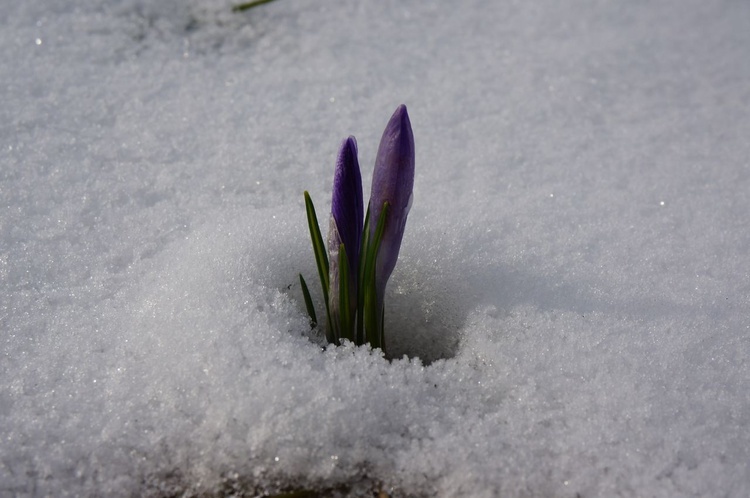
(372, 318)
(360, 339)
(249, 5)
(382, 329)
(321, 257)
(308, 302)
(345, 328)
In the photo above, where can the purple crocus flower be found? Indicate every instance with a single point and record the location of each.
(392, 182)
(345, 226)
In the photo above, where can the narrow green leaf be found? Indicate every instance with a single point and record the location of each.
(360, 339)
(372, 320)
(370, 305)
(345, 328)
(249, 5)
(374, 245)
(382, 329)
(321, 257)
(308, 302)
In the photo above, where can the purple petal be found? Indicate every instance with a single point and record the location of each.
(393, 181)
(346, 206)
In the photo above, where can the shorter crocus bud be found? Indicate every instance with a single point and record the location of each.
(392, 182)
(345, 228)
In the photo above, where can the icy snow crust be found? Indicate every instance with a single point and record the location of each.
(574, 275)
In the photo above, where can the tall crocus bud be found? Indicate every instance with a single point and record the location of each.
(345, 229)
(392, 182)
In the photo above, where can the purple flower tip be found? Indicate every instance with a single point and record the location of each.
(392, 182)
(347, 205)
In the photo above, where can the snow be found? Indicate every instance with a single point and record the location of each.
(569, 313)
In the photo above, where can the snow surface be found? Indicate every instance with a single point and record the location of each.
(574, 275)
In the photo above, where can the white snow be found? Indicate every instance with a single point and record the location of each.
(569, 316)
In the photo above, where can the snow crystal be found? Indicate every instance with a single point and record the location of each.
(569, 313)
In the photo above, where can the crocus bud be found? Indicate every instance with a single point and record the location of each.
(392, 182)
(345, 227)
